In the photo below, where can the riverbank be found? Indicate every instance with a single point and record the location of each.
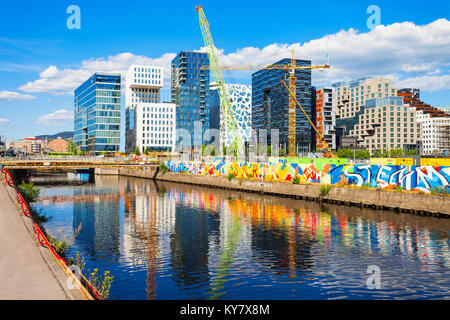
(27, 270)
(422, 204)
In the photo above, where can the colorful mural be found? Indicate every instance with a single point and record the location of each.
(420, 178)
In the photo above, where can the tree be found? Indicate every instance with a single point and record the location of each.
(385, 153)
(396, 152)
(146, 151)
(411, 152)
(345, 153)
(362, 154)
(72, 147)
(376, 153)
(137, 151)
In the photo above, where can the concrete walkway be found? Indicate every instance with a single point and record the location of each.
(24, 274)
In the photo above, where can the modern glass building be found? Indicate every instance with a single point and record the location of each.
(190, 92)
(97, 114)
(270, 104)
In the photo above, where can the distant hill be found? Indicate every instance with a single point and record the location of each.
(63, 135)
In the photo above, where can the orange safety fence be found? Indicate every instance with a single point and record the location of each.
(42, 239)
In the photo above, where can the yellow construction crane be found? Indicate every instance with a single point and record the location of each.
(291, 88)
(292, 96)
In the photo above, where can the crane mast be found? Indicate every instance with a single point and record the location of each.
(225, 105)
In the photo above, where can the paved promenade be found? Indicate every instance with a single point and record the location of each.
(24, 274)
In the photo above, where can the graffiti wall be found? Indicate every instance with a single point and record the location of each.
(420, 178)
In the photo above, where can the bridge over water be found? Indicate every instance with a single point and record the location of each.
(73, 163)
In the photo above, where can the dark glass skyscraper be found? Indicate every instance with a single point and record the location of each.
(97, 114)
(190, 91)
(270, 103)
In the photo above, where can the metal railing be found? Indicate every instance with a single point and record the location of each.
(73, 163)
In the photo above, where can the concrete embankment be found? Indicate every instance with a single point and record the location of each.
(375, 198)
(27, 270)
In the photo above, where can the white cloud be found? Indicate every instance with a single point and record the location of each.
(64, 81)
(4, 121)
(11, 96)
(426, 83)
(57, 118)
(400, 51)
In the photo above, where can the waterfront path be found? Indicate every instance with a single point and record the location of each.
(24, 273)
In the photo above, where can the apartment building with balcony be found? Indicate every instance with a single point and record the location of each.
(352, 95)
(385, 124)
(411, 96)
(325, 117)
(190, 93)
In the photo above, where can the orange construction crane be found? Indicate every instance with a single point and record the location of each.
(292, 100)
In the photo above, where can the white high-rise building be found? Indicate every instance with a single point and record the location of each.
(435, 133)
(241, 104)
(155, 126)
(149, 123)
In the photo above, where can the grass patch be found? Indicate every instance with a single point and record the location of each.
(324, 189)
(231, 176)
(439, 191)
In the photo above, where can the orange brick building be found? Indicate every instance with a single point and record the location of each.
(58, 145)
(326, 117)
(412, 96)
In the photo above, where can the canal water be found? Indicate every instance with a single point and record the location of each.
(174, 241)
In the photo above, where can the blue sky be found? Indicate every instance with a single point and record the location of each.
(42, 61)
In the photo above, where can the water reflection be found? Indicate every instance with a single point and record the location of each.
(99, 223)
(173, 241)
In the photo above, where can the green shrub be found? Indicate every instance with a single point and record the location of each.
(29, 191)
(296, 179)
(398, 188)
(61, 247)
(231, 176)
(163, 167)
(324, 189)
